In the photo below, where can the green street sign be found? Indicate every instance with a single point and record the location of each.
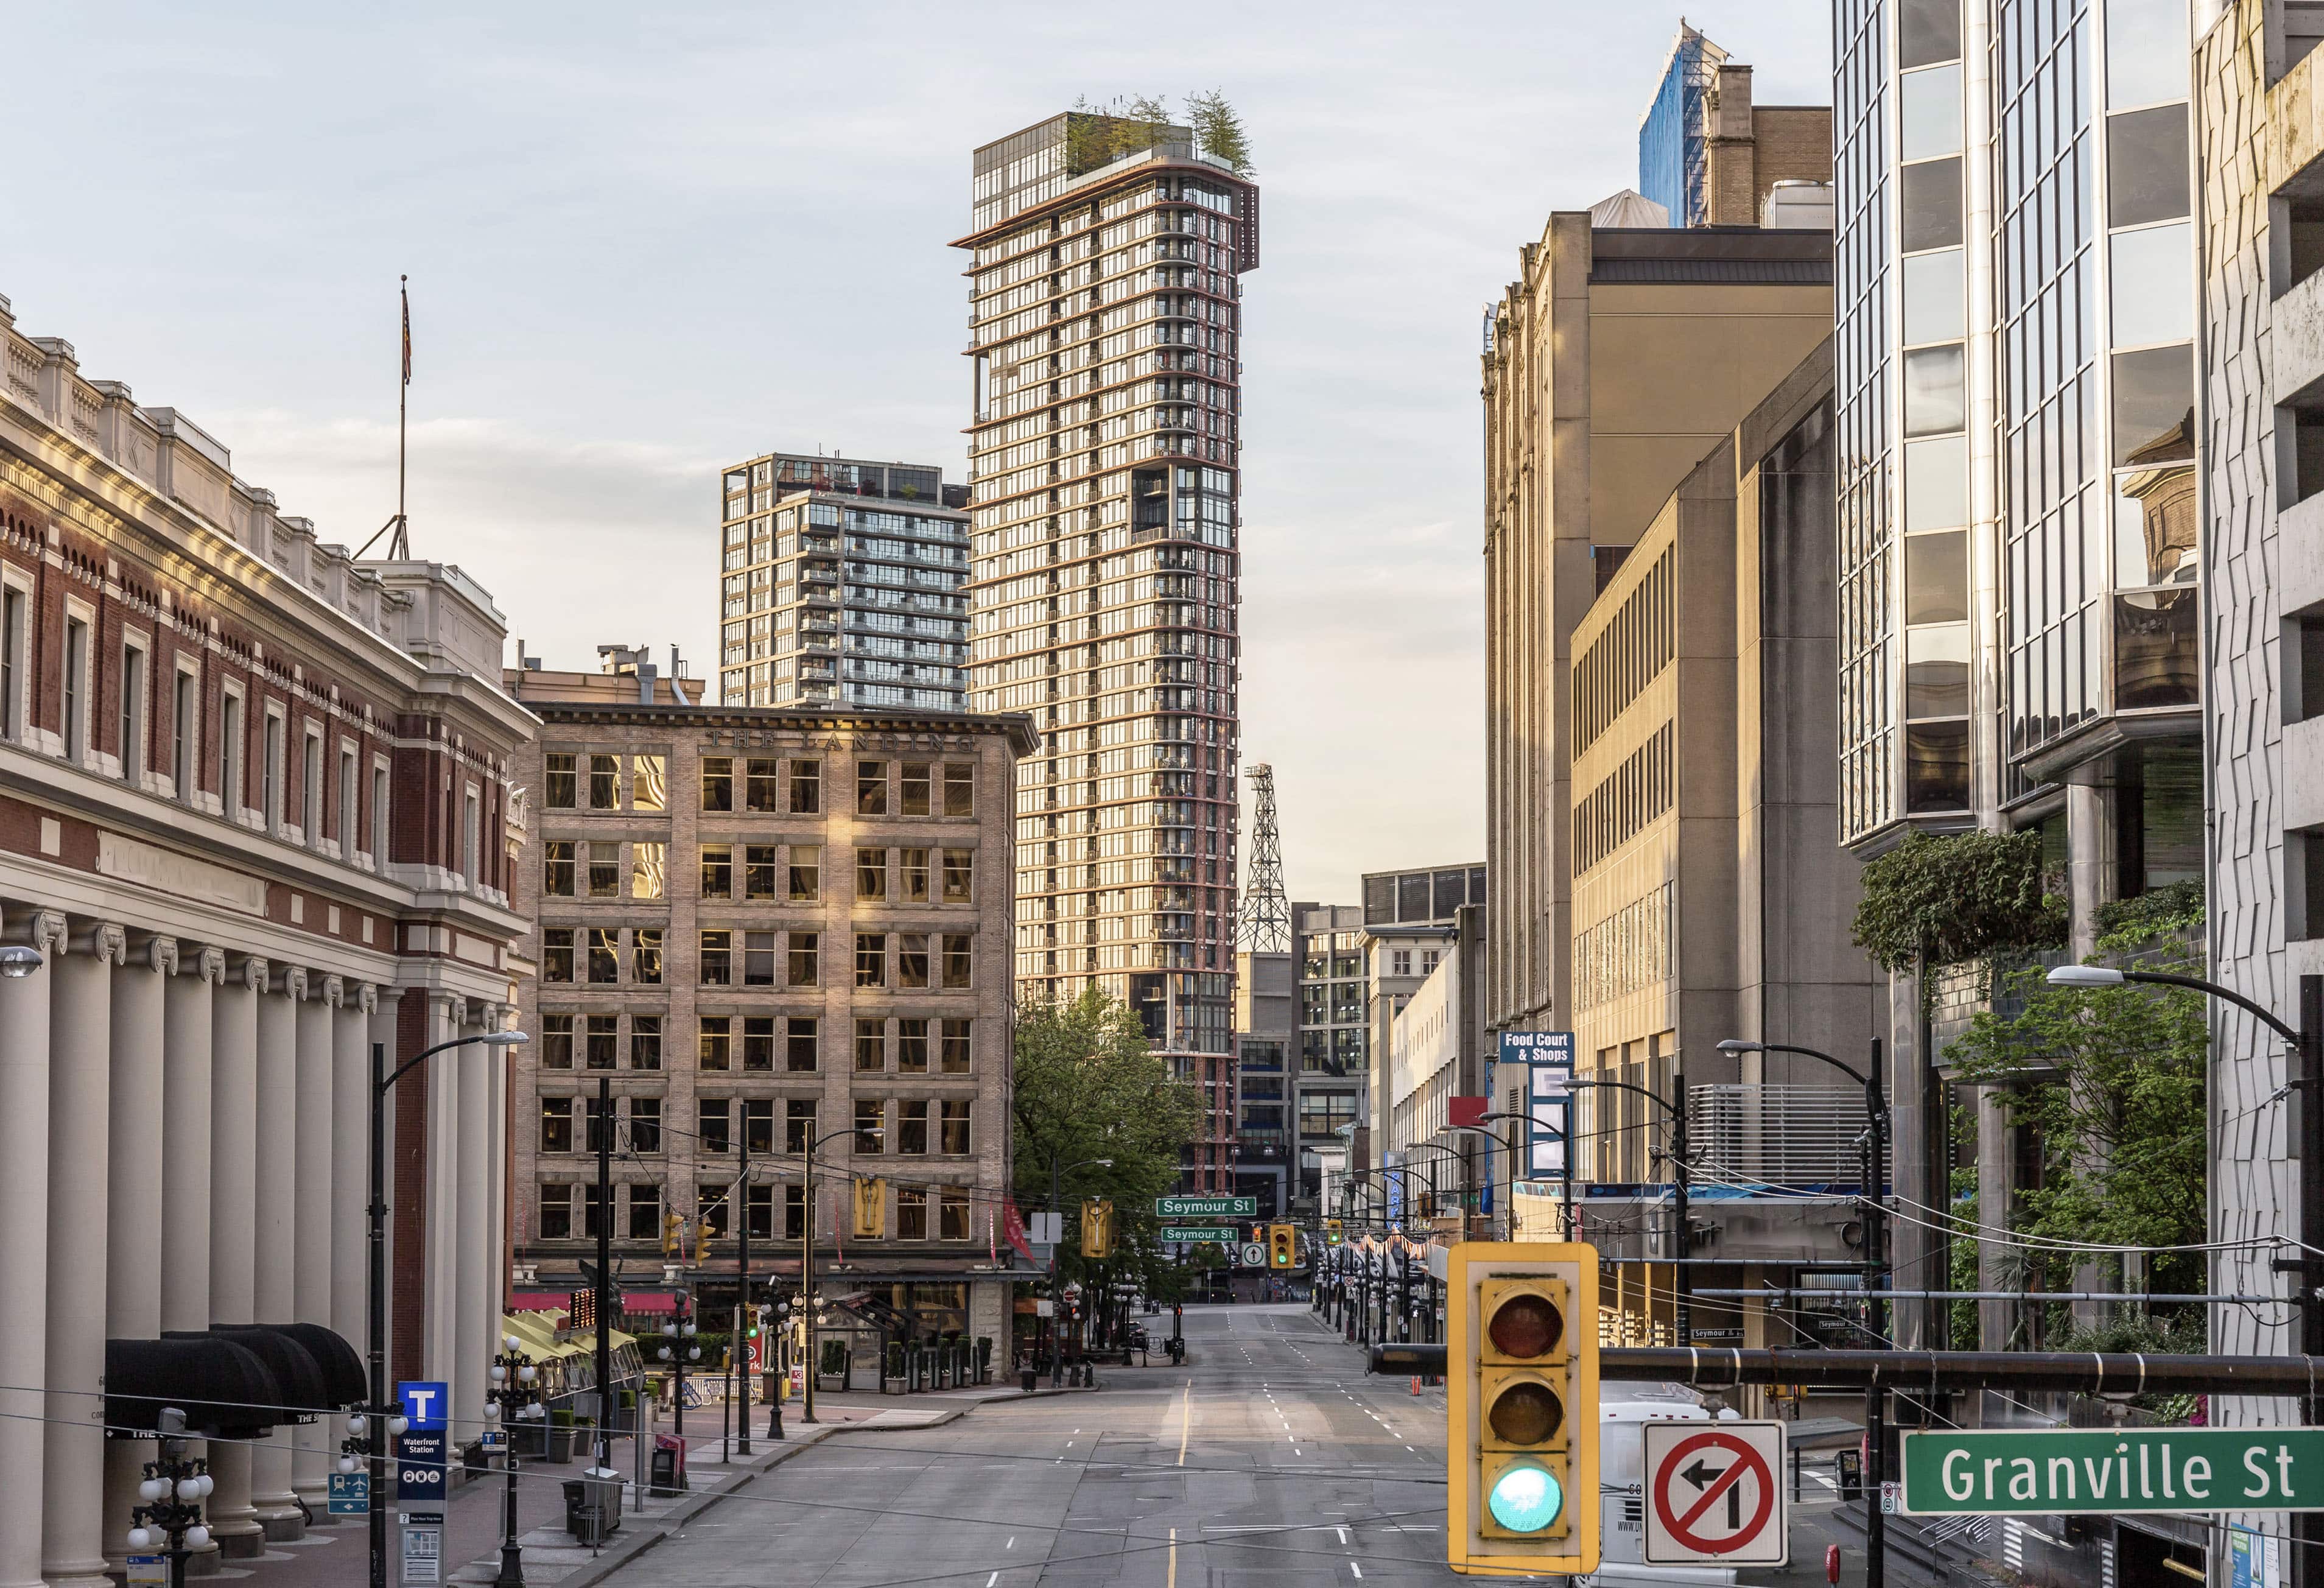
(1224, 1235)
(1206, 1208)
(2079, 1473)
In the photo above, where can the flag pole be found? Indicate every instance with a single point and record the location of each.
(402, 545)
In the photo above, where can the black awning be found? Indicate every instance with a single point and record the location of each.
(294, 1367)
(344, 1382)
(222, 1386)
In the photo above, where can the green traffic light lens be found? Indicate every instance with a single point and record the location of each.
(1525, 1497)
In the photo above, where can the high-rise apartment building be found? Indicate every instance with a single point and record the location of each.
(843, 585)
(1105, 341)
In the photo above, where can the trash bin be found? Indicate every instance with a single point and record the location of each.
(1027, 1378)
(669, 1466)
(593, 1507)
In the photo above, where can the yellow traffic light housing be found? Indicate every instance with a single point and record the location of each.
(671, 1224)
(1333, 1232)
(1097, 1228)
(1282, 1246)
(1522, 1425)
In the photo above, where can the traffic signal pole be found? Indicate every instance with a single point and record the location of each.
(604, 1272)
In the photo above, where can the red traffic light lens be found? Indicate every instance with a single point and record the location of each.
(1525, 1327)
(1525, 1414)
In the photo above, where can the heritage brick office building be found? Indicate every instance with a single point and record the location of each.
(252, 799)
(772, 924)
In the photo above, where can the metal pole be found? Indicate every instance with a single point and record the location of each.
(1057, 1302)
(605, 1274)
(378, 1322)
(2306, 1529)
(1876, 1438)
(743, 1314)
(1682, 1237)
(807, 1275)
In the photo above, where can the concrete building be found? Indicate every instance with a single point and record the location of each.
(1105, 452)
(764, 925)
(256, 820)
(842, 584)
(1267, 1077)
(1615, 363)
(1710, 157)
(1436, 1050)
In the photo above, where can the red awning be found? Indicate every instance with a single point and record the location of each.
(649, 1301)
(541, 1301)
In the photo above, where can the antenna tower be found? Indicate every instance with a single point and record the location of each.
(1264, 924)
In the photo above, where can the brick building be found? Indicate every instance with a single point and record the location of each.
(253, 822)
(767, 926)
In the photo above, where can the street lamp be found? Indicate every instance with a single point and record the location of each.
(1057, 1212)
(1682, 1237)
(17, 962)
(387, 1422)
(806, 1271)
(174, 1491)
(514, 1379)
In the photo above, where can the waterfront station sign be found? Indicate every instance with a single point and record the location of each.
(2089, 1472)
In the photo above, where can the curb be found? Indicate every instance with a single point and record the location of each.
(621, 1554)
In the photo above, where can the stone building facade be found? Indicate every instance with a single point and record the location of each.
(253, 819)
(769, 926)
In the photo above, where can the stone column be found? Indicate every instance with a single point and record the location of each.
(190, 1016)
(133, 1239)
(24, 1033)
(474, 1068)
(233, 1221)
(350, 1159)
(274, 1259)
(440, 1345)
(311, 1296)
(80, 1048)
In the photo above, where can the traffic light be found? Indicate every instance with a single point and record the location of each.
(1522, 1447)
(1282, 1246)
(671, 1226)
(1333, 1232)
(871, 1209)
(1097, 1227)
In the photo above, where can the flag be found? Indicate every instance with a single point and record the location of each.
(1015, 1225)
(407, 333)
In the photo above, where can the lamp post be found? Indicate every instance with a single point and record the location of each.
(807, 1263)
(679, 1348)
(514, 1398)
(385, 1419)
(1875, 1176)
(1057, 1212)
(1683, 1305)
(174, 1488)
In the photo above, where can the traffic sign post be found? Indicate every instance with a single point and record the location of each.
(2089, 1472)
(1253, 1255)
(1715, 1494)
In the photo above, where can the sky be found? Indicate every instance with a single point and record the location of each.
(645, 242)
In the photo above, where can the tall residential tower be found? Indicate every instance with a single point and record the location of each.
(1105, 341)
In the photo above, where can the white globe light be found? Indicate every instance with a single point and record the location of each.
(694, 1354)
(663, 1354)
(198, 1537)
(347, 1464)
(151, 1489)
(188, 1489)
(398, 1425)
(510, 1341)
(670, 1328)
(526, 1374)
(496, 1373)
(141, 1539)
(491, 1411)
(357, 1423)
(209, 1483)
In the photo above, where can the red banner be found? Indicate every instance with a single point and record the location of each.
(1013, 1226)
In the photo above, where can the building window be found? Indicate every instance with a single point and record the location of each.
(76, 688)
(715, 957)
(952, 1213)
(760, 863)
(710, 1210)
(597, 1119)
(916, 876)
(649, 864)
(230, 753)
(957, 1049)
(870, 1046)
(758, 959)
(12, 662)
(870, 959)
(557, 1124)
(555, 1212)
(311, 794)
(557, 1041)
(604, 782)
(1400, 963)
(911, 1212)
(556, 867)
(759, 1209)
(604, 870)
(912, 1127)
(954, 1138)
(711, 1043)
(133, 719)
(605, 1040)
(760, 784)
(801, 1050)
(350, 789)
(759, 1042)
(717, 871)
(806, 873)
(871, 876)
(563, 782)
(645, 1201)
(806, 788)
(914, 788)
(960, 788)
(798, 1125)
(379, 816)
(645, 1041)
(871, 787)
(269, 774)
(871, 1126)
(556, 953)
(710, 1120)
(1428, 958)
(912, 1047)
(803, 959)
(605, 955)
(718, 782)
(958, 961)
(759, 1126)
(959, 875)
(648, 783)
(794, 1211)
(645, 956)
(185, 746)
(912, 959)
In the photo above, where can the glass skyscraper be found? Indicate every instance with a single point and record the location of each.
(1105, 337)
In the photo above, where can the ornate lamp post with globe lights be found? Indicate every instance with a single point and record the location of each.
(678, 1348)
(514, 1398)
(174, 1487)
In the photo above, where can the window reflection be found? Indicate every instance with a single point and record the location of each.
(2146, 166)
(2154, 406)
(1936, 671)
(1930, 122)
(1936, 577)
(1933, 390)
(2148, 57)
(2153, 283)
(1934, 305)
(1932, 205)
(1927, 30)
(1936, 484)
(2155, 527)
(2155, 658)
(1936, 767)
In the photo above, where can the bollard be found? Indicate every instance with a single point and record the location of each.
(1416, 1384)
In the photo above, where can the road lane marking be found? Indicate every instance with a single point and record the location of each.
(1355, 1568)
(1185, 1422)
(989, 1581)
(1174, 1560)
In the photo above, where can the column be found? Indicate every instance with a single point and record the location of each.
(440, 1301)
(310, 1296)
(233, 1221)
(274, 1259)
(25, 1030)
(471, 1070)
(132, 1234)
(189, 1020)
(80, 1043)
(351, 1103)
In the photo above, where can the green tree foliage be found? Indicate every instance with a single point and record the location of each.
(1957, 897)
(1219, 131)
(1087, 1087)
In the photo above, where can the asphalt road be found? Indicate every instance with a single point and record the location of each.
(1269, 1458)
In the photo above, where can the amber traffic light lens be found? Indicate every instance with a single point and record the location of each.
(1525, 1327)
(1525, 1414)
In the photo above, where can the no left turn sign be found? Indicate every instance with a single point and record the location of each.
(1715, 1494)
